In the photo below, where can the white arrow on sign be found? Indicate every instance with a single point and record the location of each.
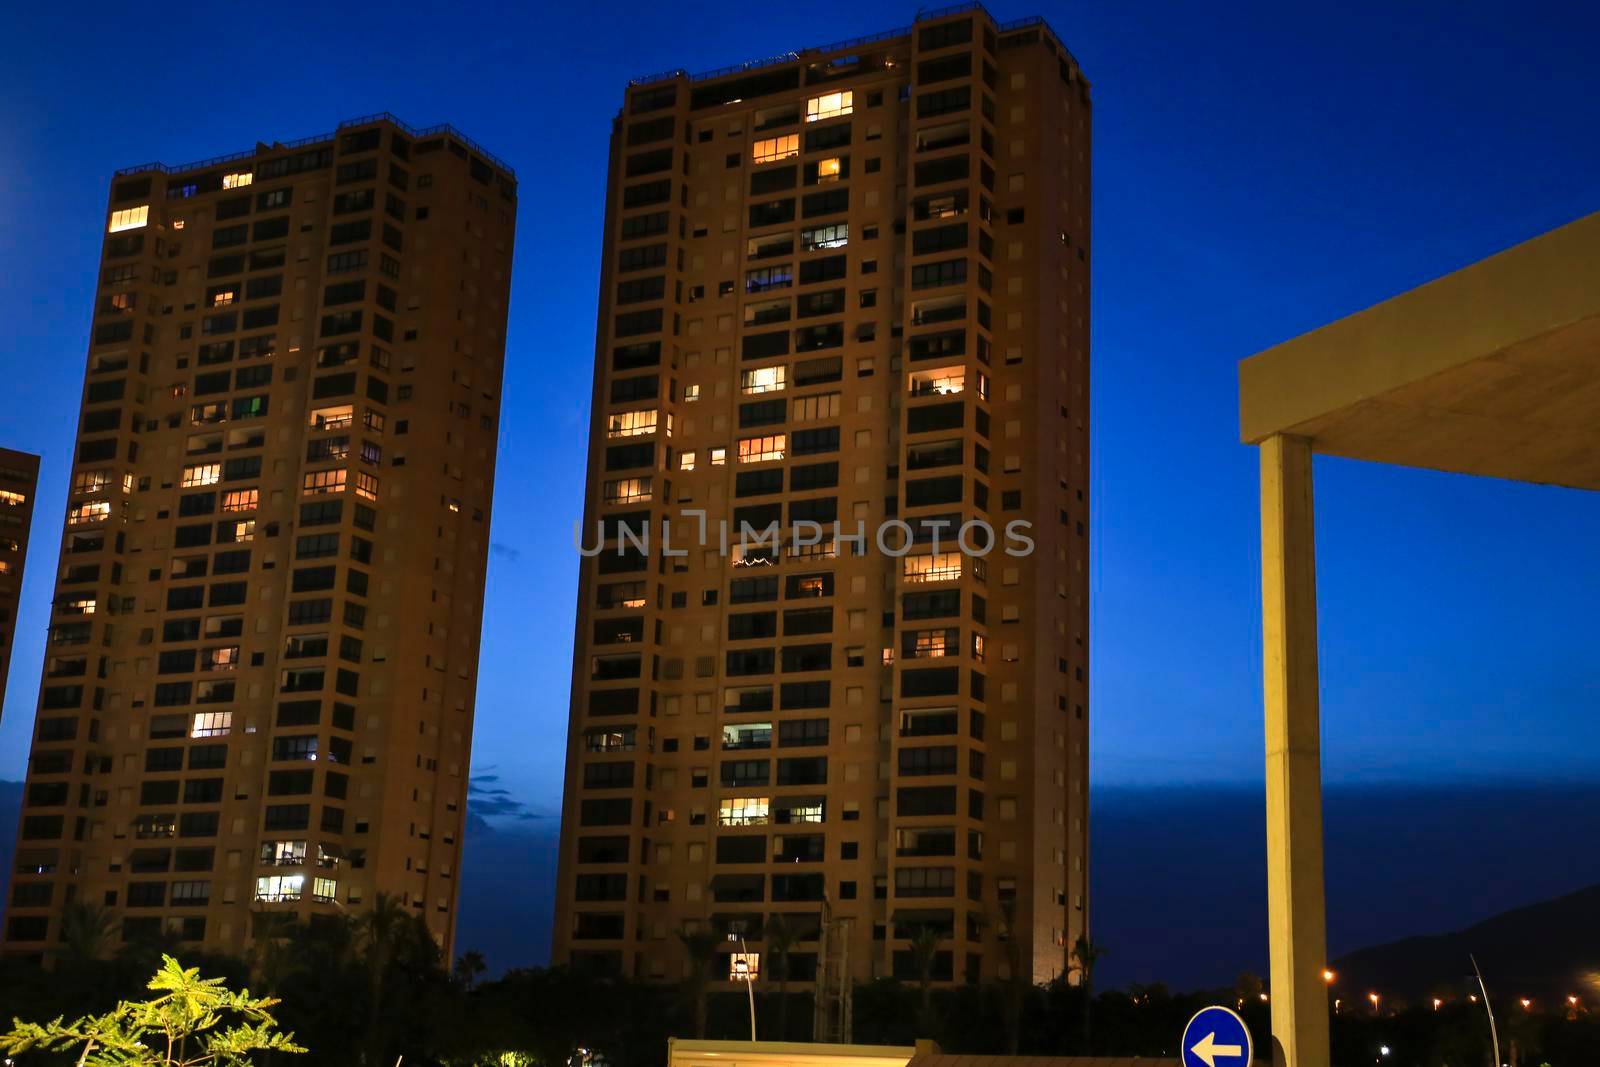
(1208, 1049)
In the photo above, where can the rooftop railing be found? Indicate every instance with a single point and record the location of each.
(1027, 22)
(323, 138)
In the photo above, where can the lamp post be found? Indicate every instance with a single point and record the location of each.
(746, 965)
(1494, 1038)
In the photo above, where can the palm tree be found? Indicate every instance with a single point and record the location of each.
(1085, 954)
(1016, 982)
(781, 938)
(380, 927)
(469, 967)
(925, 952)
(88, 932)
(701, 945)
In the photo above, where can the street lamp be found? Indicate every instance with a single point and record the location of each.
(1328, 976)
(745, 966)
(1374, 998)
(1436, 1003)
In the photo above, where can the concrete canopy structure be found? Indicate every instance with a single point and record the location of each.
(1493, 370)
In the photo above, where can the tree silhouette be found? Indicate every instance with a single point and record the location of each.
(701, 946)
(781, 937)
(1085, 954)
(1017, 984)
(925, 953)
(380, 928)
(469, 967)
(88, 932)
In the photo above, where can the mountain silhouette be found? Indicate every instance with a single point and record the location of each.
(1546, 951)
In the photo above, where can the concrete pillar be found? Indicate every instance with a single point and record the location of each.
(1295, 905)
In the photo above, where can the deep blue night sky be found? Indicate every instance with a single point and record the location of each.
(1258, 172)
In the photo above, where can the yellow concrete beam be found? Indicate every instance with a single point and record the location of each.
(1438, 363)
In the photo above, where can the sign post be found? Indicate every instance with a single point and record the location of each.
(1216, 1037)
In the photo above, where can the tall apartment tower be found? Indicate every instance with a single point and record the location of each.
(846, 284)
(258, 694)
(19, 479)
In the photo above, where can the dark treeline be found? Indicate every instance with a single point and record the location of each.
(369, 988)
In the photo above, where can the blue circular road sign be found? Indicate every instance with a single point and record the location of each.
(1216, 1037)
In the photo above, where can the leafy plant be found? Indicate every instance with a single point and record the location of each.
(191, 1022)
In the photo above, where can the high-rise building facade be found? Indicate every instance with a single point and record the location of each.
(19, 479)
(846, 285)
(258, 691)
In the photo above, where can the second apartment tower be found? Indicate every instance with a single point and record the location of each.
(844, 285)
(263, 652)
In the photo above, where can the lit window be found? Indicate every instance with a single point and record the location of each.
(836, 235)
(82, 482)
(804, 811)
(279, 887)
(686, 461)
(940, 567)
(211, 724)
(237, 532)
(222, 299)
(235, 181)
(979, 647)
(130, 218)
(15, 500)
(719, 456)
(177, 224)
(608, 739)
(762, 449)
(337, 417)
(283, 853)
(775, 148)
(691, 393)
(220, 659)
(324, 890)
(830, 105)
(82, 605)
(744, 811)
(240, 499)
(323, 482)
(762, 380)
(366, 485)
(201, 414)
(631, 423)
(828, 170)
(942, 382)
(94, 511)
(627, 490)
(202, 474)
